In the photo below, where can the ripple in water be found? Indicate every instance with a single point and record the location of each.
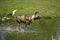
(10, 29)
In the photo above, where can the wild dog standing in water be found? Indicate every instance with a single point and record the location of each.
(27, 20)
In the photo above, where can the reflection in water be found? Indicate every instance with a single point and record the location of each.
(2, 36)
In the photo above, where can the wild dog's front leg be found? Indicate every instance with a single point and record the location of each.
(20, 29)
(18, 26)
(25, 26)
(29, 26)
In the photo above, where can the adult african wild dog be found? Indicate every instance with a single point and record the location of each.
(27, 20)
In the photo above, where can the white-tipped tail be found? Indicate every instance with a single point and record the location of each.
(14, 12)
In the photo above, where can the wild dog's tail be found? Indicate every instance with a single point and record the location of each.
(14, 11)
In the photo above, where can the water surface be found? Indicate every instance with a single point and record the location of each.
(43, 29)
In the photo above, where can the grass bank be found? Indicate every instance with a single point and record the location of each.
(46, 8)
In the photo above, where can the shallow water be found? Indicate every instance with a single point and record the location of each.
(43, 29)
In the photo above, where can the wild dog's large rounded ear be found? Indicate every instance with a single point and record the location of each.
(36, 12)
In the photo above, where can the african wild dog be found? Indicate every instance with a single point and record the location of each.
(27, 20)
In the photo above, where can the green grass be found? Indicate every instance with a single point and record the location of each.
(28, 7)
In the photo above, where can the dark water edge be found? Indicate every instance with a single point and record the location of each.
(43, 29)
